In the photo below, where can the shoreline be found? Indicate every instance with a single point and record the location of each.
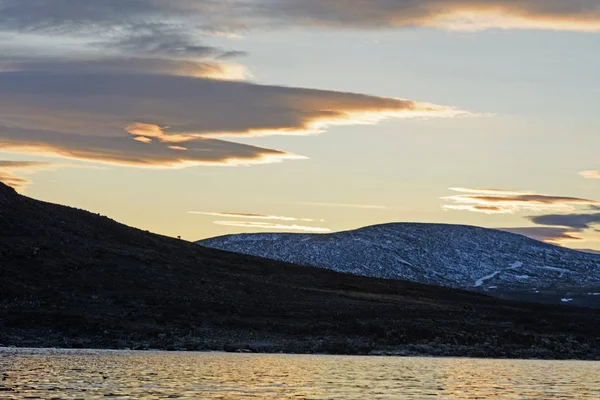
(410, 351)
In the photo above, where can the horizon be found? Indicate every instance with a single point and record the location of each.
(512, 231)
(281, 117)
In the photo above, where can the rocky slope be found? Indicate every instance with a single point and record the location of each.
(70, 278)
(465, 257)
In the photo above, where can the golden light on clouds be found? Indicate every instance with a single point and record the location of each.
(182, 118)
(10, 169)
(217, 70)
(494, 17)
(144, 133)
(465, 15)
(590, 174)
(497, 201)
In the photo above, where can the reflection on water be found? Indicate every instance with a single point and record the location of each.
(61, 374)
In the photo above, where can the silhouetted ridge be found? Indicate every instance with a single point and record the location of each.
(71, 278)
(7, 193)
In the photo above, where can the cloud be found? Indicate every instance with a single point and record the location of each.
(497, 201)
(546, 234)
(590, 174)
(480, 209)
(560, 228)
(96, 116)
(7, 172)
(576, 15)
(573, 221)
(162, 40)
(126, 151)
(251, 216)
(272, 226)
(365, 206)
(220, 70)
(118, 16)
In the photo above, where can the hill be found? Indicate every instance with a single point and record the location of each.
(70, 278)
(464, 257)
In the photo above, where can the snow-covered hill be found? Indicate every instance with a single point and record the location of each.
(466, 257)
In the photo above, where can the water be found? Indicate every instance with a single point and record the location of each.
(63, 374)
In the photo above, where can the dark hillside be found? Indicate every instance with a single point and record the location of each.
(70, 278)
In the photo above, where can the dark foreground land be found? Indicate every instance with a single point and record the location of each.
(69, 278)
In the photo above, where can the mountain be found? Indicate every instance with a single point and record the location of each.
(70, 278)
(465, 257)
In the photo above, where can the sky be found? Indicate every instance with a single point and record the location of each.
(198, 118)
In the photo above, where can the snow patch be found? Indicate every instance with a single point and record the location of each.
(479, 282)
(566, 300)
(516, 265)
(564, 271)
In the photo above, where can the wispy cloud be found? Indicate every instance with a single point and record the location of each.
(272, 226)
(252, 216)
(9, 171)
(344, 205)
(553, 235)
(497, 201)
(590, 174)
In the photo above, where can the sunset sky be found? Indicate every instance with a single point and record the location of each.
(206, 117)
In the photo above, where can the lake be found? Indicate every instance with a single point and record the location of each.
(83, 374)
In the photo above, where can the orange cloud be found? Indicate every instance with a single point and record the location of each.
(7, 172)
(146, 132)
(590, 174)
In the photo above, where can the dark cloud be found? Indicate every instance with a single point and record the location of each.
(545, 234)
(97, 115)
(573, 221)
(162, 40)
(133, 27)
(125, 65)
(557, 228)
(82, 16)
(231, 54)
(127, 151)
(115, 15)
